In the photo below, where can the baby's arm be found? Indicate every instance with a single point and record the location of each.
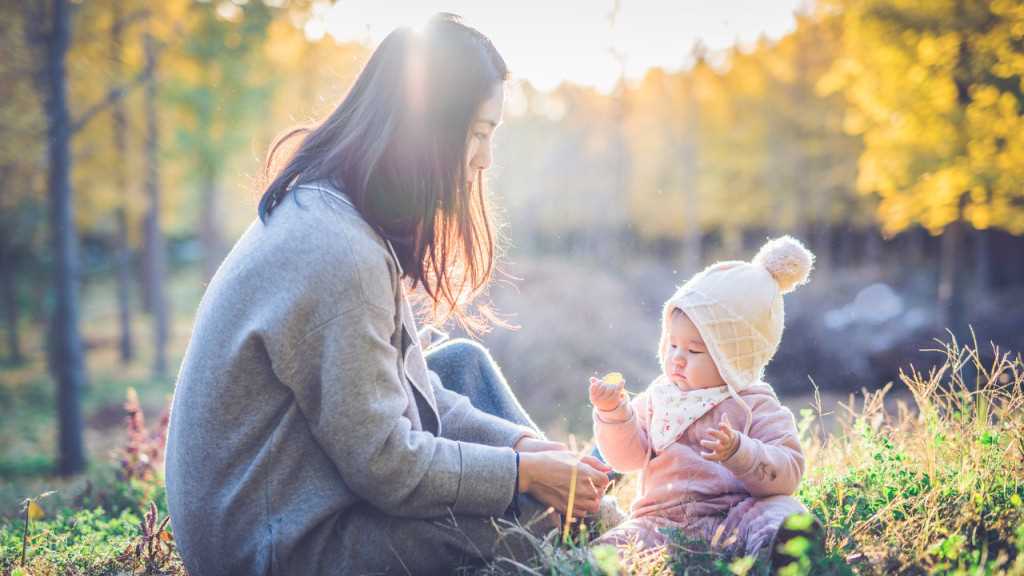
(769, 460)
(621, 434)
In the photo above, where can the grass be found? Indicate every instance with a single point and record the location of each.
(27, 395)
(936, 487)
(932, 487)
(932, 484)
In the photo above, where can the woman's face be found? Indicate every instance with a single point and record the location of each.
(481, 133)
(687, 361)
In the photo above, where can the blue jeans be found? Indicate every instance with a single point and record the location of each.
(468, 368)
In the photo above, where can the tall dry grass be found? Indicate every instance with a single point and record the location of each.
(933, 485)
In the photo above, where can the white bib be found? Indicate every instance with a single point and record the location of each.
(674, 409)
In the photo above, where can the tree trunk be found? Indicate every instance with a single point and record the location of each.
(822, 250)
(917, 254)
(124, 255)
(873, 248)
(155, 250)
(145, 274)
(951, 297)
(9, 286)
(982, 264)
(951, 287)
(732, 239)
(692, 248)
(67, 362)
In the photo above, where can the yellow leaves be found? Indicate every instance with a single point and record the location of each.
(1008, 107)
(854, 122)
(985, 96)
(34, 511)
(1006, 7)
(285, 44)
(917, 74)
(841, 73)
(939, 194)
(948, 184)
(937, 51)
(930, 160)
(978, 215)
(928, 52)
(942, 95)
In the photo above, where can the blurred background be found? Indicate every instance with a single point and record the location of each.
(641, 141)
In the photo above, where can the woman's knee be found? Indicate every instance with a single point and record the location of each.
(459, 351)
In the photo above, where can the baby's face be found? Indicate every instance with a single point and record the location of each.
(687, 361)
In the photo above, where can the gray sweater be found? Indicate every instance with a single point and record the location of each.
(304, 393)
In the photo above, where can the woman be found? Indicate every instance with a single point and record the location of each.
(309, 434)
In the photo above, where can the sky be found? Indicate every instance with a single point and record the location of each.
(550, 41)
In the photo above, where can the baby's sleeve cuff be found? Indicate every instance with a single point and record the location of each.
(742, 461)
(619, 414)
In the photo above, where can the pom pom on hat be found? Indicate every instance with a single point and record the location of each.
(787, 260)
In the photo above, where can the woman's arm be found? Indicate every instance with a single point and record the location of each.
(460, 420)
(346, 383)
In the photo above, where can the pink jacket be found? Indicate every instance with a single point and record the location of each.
(751, 490)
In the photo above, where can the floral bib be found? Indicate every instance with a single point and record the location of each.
(674, 409)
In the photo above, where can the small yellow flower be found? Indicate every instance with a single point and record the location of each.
(613, 378)
(35, 511)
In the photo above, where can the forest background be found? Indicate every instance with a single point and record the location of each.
(887, 134)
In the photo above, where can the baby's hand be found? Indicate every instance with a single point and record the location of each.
(723, 443)
(607, 393)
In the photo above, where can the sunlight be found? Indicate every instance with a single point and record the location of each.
(578, 41)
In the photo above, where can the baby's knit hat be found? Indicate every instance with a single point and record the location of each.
(737, 308)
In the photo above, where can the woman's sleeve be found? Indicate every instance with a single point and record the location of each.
(345, 379)
(460, 420)
(621, 434)
(769, 461)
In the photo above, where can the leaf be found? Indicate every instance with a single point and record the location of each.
(741, 566)
(607, 559)
(799, 522)
(796, 547)
(613, 378)
(35, 511)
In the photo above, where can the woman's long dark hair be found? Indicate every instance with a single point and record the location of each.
(397, 147)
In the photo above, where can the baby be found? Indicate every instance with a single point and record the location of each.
(719, 455)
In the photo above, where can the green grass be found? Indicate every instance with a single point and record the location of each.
(935, 487)
(27, 394)
(932, 485)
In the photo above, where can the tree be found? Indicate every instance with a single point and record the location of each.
(218, 85)
(120, 142)
(65, 345)
(935, 90)
(50, 33)
(22, 204)
(154, 239)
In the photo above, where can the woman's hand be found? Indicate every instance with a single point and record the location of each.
(531, 444)
(546, 477)
(723, 442)
(607, 393)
